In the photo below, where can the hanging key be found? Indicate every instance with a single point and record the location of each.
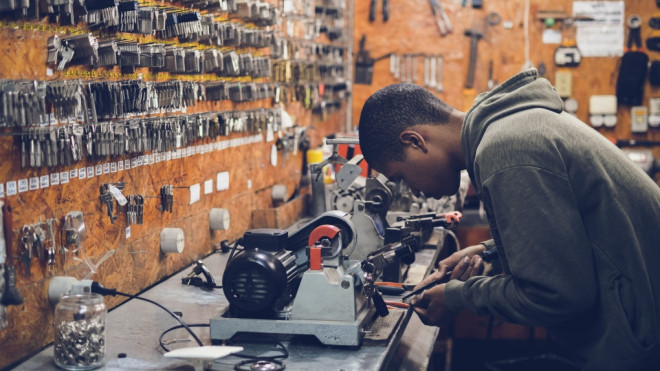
(107, 198)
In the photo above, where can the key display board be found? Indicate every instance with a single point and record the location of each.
(114, 113)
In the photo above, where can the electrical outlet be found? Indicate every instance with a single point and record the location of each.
(564, 83)
(639, 119)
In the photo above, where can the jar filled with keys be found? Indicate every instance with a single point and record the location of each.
(80, 331)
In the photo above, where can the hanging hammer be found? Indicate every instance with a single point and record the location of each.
(475, 35)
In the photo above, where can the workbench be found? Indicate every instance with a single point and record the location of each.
(133, 329)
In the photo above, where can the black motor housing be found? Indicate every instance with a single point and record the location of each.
(260, 282)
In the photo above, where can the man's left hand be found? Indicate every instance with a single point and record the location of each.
(431, 307)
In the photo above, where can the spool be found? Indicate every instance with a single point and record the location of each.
(279, 193)
(219, 219)
(171, 240)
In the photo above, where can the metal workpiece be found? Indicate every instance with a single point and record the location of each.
(369, 238)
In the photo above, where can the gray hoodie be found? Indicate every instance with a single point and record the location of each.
(576, 225)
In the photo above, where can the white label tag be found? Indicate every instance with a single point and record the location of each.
(2, 190)
(194, 193)
(34, 184)
(106, 168)
(99, 170)
(113, 167)
(11, 188)
(64, 177)
(55, 179)
(208, 186)
(82, 173)
(44, 181)
(90, 171)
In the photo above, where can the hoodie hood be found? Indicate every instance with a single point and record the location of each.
(521, 92)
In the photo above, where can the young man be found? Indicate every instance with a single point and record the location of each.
(575, 223)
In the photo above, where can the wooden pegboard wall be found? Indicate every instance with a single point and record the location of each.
(137, 261)
(411, 29)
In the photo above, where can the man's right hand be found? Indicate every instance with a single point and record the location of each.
(463, 269)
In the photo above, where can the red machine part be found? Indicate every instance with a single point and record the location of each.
(315, 242)
(453, 217)
(323, 231)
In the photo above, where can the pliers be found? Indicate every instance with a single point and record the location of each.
(441, 17)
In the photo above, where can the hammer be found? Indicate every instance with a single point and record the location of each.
(475, 35)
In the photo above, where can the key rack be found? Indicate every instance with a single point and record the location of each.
(164, 97)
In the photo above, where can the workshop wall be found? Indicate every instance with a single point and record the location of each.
(306, 83)
(411, 30)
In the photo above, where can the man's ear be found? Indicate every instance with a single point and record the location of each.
(413, 139)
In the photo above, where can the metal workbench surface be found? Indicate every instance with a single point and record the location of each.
(133, 329)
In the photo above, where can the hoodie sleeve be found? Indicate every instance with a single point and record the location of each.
(550, 269)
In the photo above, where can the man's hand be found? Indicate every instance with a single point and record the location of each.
(430, 307)
(462, 268)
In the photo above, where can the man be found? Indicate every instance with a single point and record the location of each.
(575, 223)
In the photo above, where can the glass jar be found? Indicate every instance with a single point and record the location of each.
(80, 331)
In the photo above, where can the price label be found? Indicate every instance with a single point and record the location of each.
(55, 179)
(12, 189)
(64, 177)
(34, 184)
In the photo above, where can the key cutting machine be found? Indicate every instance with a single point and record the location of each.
(305, 282)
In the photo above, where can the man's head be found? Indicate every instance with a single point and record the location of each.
(406, 133)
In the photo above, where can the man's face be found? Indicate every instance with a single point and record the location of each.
(432, 173)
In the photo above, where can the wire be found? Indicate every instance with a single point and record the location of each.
(99, 289)
(233, 250)
(264, 339)
(160, 339)
(183, 324)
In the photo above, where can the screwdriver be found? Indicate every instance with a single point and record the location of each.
(444, 279)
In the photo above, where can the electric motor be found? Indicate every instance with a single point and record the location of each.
(262, 279)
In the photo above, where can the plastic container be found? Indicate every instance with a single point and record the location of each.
(80, 332)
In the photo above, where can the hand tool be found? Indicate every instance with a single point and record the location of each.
(438, 78)
(475, 34)
(364, 64)
(198, 269)
(372, 10)
(11, 296)
(407, 298)
(441, 18)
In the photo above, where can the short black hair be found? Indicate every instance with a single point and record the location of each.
(391, 110)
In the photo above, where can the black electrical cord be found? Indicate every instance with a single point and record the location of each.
(264, 339)
(249, 358)
(233, 250)
(160, 339)
(99, 289)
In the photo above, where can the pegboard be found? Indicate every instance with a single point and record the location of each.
(254, 160)
(412, 29)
